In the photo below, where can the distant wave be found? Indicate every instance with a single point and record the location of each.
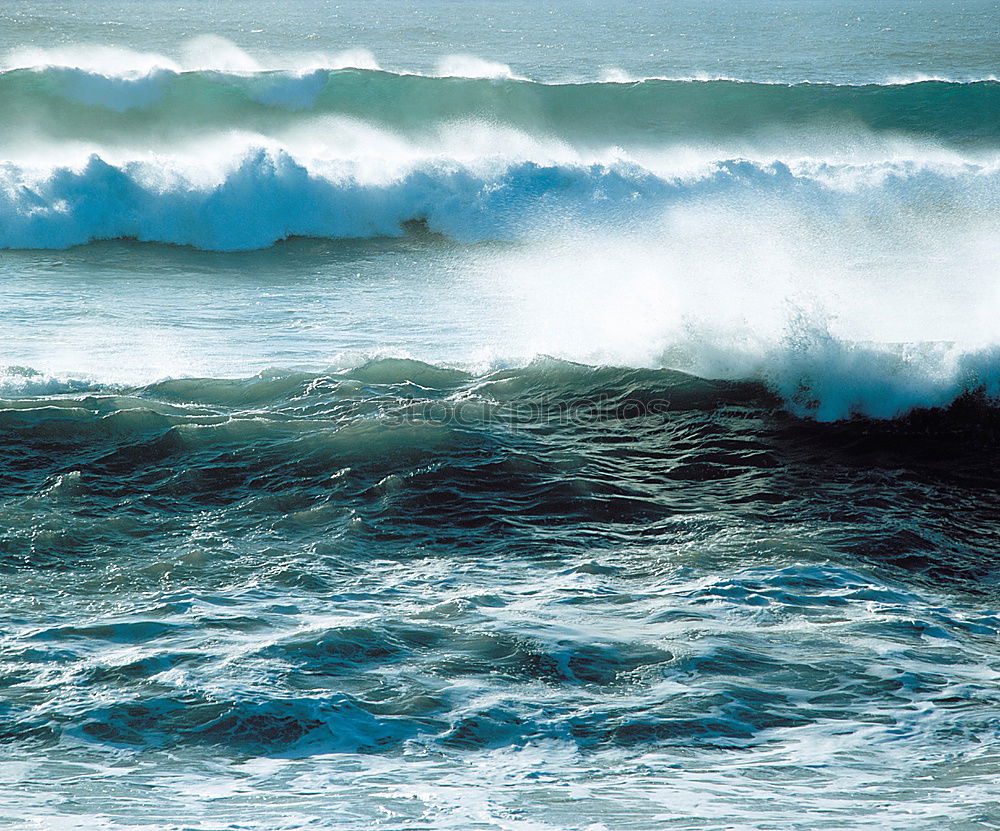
(212, 53)
(74, 103)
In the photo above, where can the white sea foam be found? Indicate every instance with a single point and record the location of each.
(95, 58)
(201, 53)
(469, 66)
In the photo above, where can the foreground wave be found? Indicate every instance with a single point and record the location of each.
(354, 490)
(832, 381)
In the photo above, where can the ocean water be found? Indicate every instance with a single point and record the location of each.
(540, 416)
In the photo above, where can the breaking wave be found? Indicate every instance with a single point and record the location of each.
(816, 377)
(266, 195)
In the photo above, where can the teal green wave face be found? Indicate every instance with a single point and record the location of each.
(86, 104)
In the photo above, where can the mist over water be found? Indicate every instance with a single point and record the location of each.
(731, 228)
(499, 415)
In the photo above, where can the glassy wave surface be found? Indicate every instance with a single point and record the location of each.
(405, 434)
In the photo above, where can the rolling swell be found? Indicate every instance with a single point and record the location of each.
(73, 103)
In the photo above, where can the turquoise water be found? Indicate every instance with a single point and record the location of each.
(499, 415)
